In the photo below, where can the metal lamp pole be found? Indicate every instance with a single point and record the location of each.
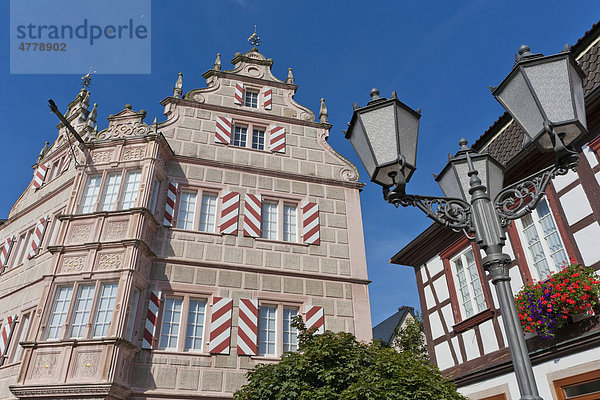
(544, 95)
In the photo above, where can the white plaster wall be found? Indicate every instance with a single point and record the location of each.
(456, 347)
(501, 323)
(470, 344)
(443, 356)
(441, 288)
(494, 297)
(598, 177)
(516, 282)
(488, 337)
(545, 373)
(575, 204)
(435, 266)
(420, 272)
(508, 248)
(587, 241)
(590, 155)
(562, 181)
(437, 329)
(447, 315)
(429, 301)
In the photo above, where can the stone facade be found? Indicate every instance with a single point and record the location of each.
(81, 301)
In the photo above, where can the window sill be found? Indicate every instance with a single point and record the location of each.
(180, 353)
(260, 239)
(265, 150)
(266, 358)
(195, 231)
(474, 320)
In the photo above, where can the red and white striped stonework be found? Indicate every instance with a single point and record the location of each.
(37, 236)
(150, 339)
(5, 252)
(220, 325)
(310, 223)
(248, 327)
(239, 93)
(5, 335)
(65, 164)
(230, 210)
(315, 318)
(170, 204)
(277, 142)
(224, 126)
(39, 175)
(267, 98)
(252, 215)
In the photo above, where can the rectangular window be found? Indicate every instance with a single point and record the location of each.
(471, 297)
(169, 331)
(195, 325)
(290, 334)
(545, 249)
(269, 220)
(208, 212)
(55, 228)
(239, 136)
(131, 189)
(585, 386)
(290, 220)
(131, 316)
(154, 197)
(90, 194)
(58, 316)
(111, 191)
(267, 330)
(82, 310)
(24, 324)
(104, 309)
(187, 208)
(17, 252)
(258, 139)
(251, 99)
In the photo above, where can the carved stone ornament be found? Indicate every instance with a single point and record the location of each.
(86, 364)
(115, 230)
(80, 233)
(126, 123)
(110, 261)
(73, 264)
(102, 156)
(44, 365)
(134, 153)
(199, 98)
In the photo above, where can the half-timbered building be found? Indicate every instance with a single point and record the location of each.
(164, 260)
(465, 334)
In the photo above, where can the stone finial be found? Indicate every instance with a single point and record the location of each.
(217, 66)
(91, 120)
(290, 77)
(43, 151)
(178, 91)
(323, 112)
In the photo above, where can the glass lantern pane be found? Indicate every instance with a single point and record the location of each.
(519, 102)
(577, 86)
(361, 146)
(550, 81)
(408, 124)
(380, 127)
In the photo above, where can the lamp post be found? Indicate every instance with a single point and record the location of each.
(544, 95)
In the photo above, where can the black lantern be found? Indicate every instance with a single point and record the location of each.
(384, 135)
(541, 90)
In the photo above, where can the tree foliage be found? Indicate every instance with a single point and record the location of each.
(336, 366)
(411, 337)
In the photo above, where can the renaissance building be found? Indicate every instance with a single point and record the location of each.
(164, 260)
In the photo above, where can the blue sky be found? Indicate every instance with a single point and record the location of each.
(439, 56)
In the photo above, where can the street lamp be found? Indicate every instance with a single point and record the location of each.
(544, 95)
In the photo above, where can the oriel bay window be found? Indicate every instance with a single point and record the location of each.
(88, 308)
(275, 332)
(183, 323)
(279, 220)
(200, 215)
(110, 191)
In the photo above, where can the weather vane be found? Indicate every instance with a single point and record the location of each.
(86, 80)
(254, 39)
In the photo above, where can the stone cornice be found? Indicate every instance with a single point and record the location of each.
(258, 81)
(73, 391)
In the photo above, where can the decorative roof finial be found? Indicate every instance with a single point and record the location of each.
(92, 116)
(290, 77)
(43, 151)
(86, 80)
(217, 66)
(254, 40)
(323, 112)
(177, 91)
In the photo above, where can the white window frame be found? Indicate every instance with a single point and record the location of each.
(280, 344)
(23, 327)
(533, 268)
(180, 344)
(250, 96)
(250, 127)
(281, 222)
(118, 202)
(132, 314)
(200, 193)
(469, 283)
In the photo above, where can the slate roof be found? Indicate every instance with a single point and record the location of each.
(384, 331)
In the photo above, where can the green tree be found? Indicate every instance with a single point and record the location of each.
(336, 366)
(411, 337)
